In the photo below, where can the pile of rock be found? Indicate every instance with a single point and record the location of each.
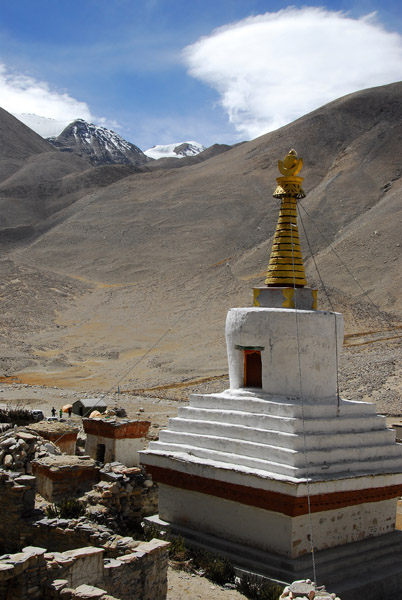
(305, 589)
(19, 447)
(123, 494)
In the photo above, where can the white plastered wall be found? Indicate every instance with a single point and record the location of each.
(126, 451)
(297, 344)
(272, 531)
(92, 444)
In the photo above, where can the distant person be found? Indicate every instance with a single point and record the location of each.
(60, 413)
(53, 412)
(70, 410)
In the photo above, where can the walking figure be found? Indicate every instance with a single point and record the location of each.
(53, 412)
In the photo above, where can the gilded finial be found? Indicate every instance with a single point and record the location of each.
(286, 267)
(291, 165)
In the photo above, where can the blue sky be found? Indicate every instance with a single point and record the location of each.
(121, 62)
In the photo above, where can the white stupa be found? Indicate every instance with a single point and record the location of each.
(278, 466)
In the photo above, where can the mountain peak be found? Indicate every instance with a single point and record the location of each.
(98, 144)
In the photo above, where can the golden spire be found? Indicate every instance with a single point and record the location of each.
(285, 267)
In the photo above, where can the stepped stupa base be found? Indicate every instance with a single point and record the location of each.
(369, 569)
(234, 465)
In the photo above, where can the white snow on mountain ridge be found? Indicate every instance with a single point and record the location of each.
(43, 126)
(111, 140)
(87, 133)
(178, 150)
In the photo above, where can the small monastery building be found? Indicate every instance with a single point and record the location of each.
(278, 471)
(110, 440)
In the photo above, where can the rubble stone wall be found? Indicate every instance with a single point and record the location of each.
(23, 575)
(34, 574)
(123, 494)
(80, 554)
(141, 574)
(17, 501)
(79, 566)
(61, 535)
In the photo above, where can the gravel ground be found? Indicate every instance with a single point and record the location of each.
(186, 586)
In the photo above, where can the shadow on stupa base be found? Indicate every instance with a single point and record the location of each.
(367, 570)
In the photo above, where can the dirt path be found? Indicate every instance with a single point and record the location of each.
(186, 586)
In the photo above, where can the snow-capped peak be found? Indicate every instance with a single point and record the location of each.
(97, 144)
(178, 150)
(88, 133)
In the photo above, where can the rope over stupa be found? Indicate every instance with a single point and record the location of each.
(286, 267)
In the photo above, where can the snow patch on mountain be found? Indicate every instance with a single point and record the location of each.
(178, 150)
(88, 133)
(43, 126)
(97, 144)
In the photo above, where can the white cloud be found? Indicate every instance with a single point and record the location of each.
(23, 94)
(273, 68)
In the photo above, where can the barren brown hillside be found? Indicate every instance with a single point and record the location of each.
(142, 267)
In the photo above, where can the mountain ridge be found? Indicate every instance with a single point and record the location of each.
(97, 144)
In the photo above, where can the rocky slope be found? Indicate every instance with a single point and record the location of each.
(131, 280)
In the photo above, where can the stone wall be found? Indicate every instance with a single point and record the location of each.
(141, 574)
(80, 555)
(79, 566)
(61, 535)
(124, 494)
(36, 574)
(17, 501)
(23, 575)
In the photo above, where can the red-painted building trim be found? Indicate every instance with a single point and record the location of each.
(292, 506)
(116, 430)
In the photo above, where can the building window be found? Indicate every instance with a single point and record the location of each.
(252, 369)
